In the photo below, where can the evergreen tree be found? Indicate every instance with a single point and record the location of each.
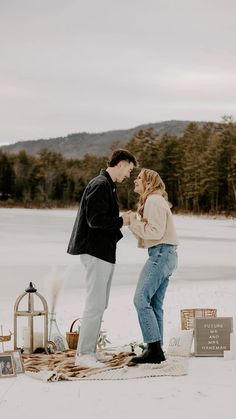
(170, 161)
(194, 145)
(7, 176)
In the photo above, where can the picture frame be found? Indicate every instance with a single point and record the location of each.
(7, 367)
(17, 360)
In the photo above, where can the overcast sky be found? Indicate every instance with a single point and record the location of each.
(97, 65)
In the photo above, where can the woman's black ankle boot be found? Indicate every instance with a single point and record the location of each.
(153, 354)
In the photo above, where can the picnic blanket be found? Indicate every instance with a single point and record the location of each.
(60, 366)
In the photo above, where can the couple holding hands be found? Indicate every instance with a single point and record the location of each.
(95, 234)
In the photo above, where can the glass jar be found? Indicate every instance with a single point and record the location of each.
(55, 335)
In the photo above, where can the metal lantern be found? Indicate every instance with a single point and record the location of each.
(31, 336)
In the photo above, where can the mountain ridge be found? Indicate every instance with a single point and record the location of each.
(76, 145)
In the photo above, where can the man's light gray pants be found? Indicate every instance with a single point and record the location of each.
(98, 283)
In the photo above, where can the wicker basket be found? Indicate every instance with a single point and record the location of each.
(188, 315)
(72, 337)
(5, 338)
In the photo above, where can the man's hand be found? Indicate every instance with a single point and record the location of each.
(132, 216)
(126, 218)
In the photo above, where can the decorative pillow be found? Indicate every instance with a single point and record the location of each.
(180, 343)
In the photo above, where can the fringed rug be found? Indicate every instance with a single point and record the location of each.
(171, 367)
(60, 366)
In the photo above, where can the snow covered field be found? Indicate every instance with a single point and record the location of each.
(32, 241)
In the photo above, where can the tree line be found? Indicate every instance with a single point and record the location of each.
(198, 168)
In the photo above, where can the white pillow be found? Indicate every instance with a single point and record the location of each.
(180, 343)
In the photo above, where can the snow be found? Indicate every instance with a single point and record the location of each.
(33, 241)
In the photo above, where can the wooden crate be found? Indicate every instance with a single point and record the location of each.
(188, 315)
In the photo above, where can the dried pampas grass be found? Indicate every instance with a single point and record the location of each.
(54, 283)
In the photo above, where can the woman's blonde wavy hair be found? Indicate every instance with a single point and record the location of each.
(152, 183)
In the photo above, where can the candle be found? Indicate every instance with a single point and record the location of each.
(26, 337)
(228, 355)
(231, 354)
(38, 340)
(233, 344)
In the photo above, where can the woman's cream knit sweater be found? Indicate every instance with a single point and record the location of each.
(157, 225)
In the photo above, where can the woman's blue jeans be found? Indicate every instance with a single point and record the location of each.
(151, 288)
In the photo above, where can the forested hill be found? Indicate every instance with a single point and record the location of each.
(198, 168)
(99, 144)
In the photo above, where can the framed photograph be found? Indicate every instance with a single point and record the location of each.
(17, 361)
(7, 368)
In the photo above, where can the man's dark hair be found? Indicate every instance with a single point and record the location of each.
(119, 155)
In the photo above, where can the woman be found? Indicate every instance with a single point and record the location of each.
(7, 368)
(154, 228)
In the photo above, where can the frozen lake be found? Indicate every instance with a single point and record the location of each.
(32, 241)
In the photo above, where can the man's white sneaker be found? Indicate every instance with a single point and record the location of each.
(88, 360)
(102, 357)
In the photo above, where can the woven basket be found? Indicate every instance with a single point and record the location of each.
(5, 338)
(72, 337)
(188, 315)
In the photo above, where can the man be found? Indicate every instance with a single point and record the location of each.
(95, 234)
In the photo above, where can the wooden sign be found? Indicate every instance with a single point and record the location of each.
(212, 335)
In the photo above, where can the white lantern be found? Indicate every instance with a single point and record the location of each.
(33, 337)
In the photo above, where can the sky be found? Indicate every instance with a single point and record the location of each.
(71, 66)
